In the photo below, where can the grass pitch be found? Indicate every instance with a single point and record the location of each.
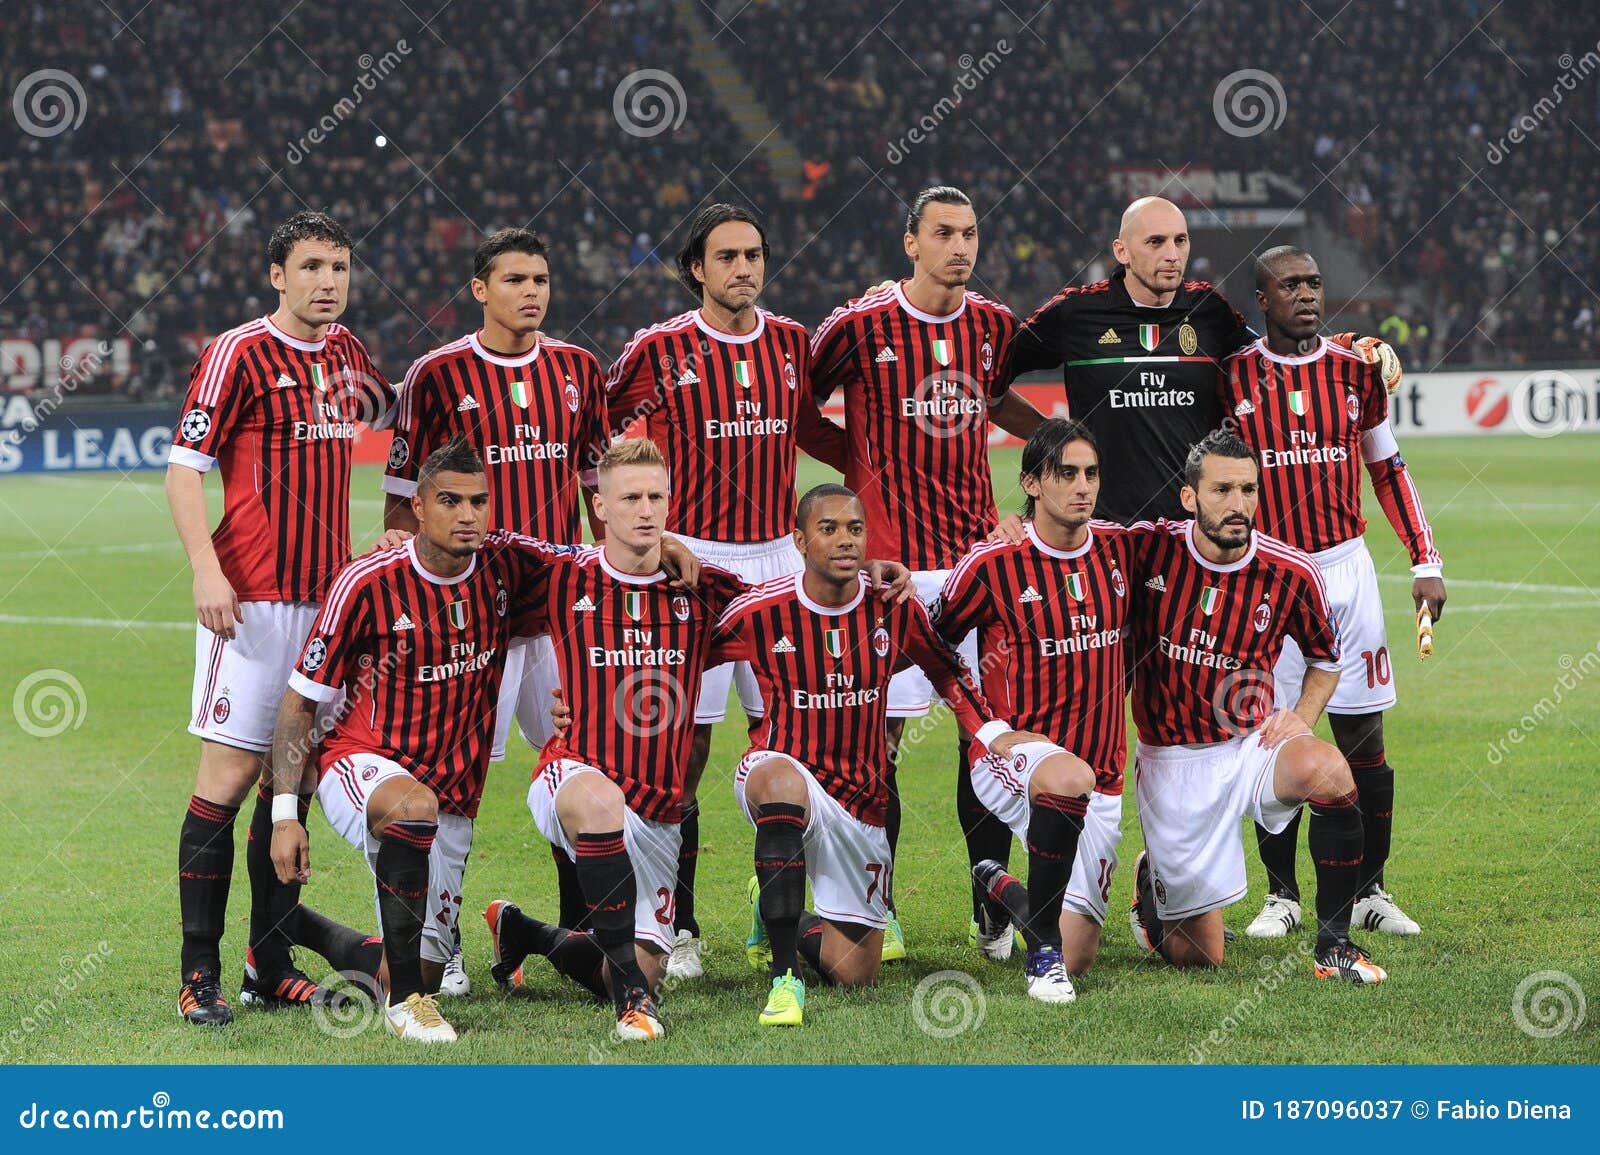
(1497, 840)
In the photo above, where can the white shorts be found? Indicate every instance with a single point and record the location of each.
(910, 692)
(526, 687)
(1002, 786)
(1366, 678)
(239, 685)
(1191, 799)
(653, 847)
(846, 859)
(343, 793)
(752, 562)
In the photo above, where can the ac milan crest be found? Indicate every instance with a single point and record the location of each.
(571, 395)
(1262, 618)
(1352, 407)
(680, 608)
(880, 642)
(1117, 584)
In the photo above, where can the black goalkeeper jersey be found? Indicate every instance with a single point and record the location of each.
(1144, 380)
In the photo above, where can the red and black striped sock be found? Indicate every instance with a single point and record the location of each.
(688, 857)
(402, 871)
(272, 903)
(808, 944)
(205, 871)
(781, 873)
(609, 892)
(1278, 852)
(1336, 848)
(1055, 822)
(986, 836)
(1375, 789)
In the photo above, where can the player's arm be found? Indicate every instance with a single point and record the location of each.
(292, 744)
(631, 388)
(1015, 414)
(954, 680)
(1037, 343)
(1310, 624)
(964, 603)
(731, 637)
(415, 419)
(1402, 505)
(216, 606)
(832, 368)
(594, 439)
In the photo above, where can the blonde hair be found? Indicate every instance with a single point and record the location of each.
(630, 451)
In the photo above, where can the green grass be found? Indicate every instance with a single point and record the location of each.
(1500, 860)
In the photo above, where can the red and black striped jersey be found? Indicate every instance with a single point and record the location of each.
(1054, 626)
(727, 411)
(539, 420)
(280, 416)
(1312, 421)
(917, 390)
(1144, 380)
(1207, 636)
(419, 658)
(824, 673)
(630, 649)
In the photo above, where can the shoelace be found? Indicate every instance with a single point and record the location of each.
(204, 988)
(426, 1011)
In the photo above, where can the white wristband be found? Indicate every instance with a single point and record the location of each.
(989, 731)
(285, 808)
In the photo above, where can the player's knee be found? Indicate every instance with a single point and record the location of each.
(775, 780)
(591, 803)
(1331, 773)
(858, 968)
(1064, 774)
(1080, 942)
(400, 800)
(227, 773)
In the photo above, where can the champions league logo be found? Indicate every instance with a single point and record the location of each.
(399, 452)
(196, 424)
(316, 654)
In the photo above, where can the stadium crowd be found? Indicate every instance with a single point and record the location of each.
(201, 120)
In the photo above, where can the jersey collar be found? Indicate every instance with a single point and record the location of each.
(294, 342)
(829, 611)
(929, 318)
(1194, 552)
(1261, 347)
(527, 358)
(429, 576)
(717, 334)
(1062, 554)
(632, 579)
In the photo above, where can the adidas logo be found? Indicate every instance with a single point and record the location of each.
(1244, 408)
(688, 377)
(1109, 337)
(584, 605)
(1031, 595)
(284, 381)
(783, 646)
(403, 622)
(886, 356)
(467, 402)
(1157, 584)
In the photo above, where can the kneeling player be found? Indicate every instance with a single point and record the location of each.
(814, 783)
(1052, 607)
(1219, 601)
(415, 637)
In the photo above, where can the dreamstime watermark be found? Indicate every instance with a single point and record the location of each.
(1274, 973)
(1548, 1003)
(373, 70)
(973, 71)
(160, 1115)
(48, 703)
(1549, 402)
(1249, 102)
(1575, 671)
(49, 102)
(74, 973)
(947, 403)
(1242, 701)
(354, 1006)
(75, 372)
(948, 1003)
(1528, 123)
(649, 102)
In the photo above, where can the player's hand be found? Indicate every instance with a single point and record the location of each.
(680, 563)
(392, 539)
(216, 606)
(1007, 742)
(892, 580)
(1375, 351)
(1010, 530)
(1280, 727)
(1428, 591)
(291, 852)
(560, 715)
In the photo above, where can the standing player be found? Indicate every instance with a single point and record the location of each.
(724, 391)
(1219, 601)
(1312, 411)
(535, 407)
(610, 790)
(814, 782)
(919, 363)
(415, 639)
(1053, 612)
(275, 403)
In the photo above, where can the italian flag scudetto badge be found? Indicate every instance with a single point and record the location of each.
(519, 393)
(1297, 402)
(1075, 586)
(833, 640)
(319, 378)
(1149, 337)
(458, 614)
(744, 372)
(633, 604)
(1209, 598)
(941, 351)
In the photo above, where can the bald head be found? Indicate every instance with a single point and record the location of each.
(1153, 246)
